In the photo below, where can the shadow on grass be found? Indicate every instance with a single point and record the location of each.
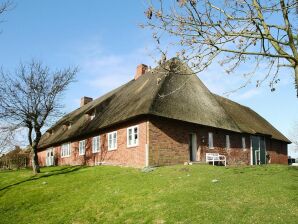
(45, 174)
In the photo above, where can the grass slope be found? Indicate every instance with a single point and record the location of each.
(175, 194)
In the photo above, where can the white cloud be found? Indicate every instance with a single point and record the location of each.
(108, 71)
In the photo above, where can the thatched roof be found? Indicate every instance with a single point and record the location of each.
(170, 91)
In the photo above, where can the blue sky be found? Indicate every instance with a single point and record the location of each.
(104, 40)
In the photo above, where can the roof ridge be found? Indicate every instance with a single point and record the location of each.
(157, 92)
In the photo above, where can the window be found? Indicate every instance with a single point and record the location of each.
(243, 143)
(92, 116)
(210, 140)
(65, 150)
(132, 136)
(228, 144)
(95, 144)
(82, 146)
(112, 140)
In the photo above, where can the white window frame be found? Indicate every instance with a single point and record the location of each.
(95, 144)
(92, 116)
(210, 140)
(228, 142)
(112, 140)
(65, 150)
(243, 142)
(136, 143)
(82, 147)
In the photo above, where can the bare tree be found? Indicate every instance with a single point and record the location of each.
(7, 138)
(31, 97)
(294, 135)
(5, 6)
(263, 33)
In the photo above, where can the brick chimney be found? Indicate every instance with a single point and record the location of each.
(141, 69)
(85, 100)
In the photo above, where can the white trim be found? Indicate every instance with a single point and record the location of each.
(133, 133)
(111, 136)
(210, 140)
(97, 148)
(84, 147)
(65, 152)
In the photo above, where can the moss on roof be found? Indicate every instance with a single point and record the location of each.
(172, 91)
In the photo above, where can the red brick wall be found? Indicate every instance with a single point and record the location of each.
(277, 150)
(168, 144)
(132, 156)
(169, 141)
(41, 158)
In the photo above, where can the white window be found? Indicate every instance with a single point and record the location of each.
(243, 143)
(65, 150)
(228, 144)
(82, 146)
(95, 144)
(92, 116)
(132, 136)
(112, 140)
(210, 140)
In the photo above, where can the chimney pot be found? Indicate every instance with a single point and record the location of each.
(85, 100)
(141, 69)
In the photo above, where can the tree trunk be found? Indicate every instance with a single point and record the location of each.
(35, 164)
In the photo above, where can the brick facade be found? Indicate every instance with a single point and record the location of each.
(123, 155)
(168, 143)
(277, 151)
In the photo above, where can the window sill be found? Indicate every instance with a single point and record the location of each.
(112, 149)
(81, 154)
(132, 146)
(65, 156)
(210, 147)
(96, 152)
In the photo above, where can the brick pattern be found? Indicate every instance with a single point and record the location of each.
(123, 155)
(169, 144)
(277, 150)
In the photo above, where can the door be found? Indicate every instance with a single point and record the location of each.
(192, 147)
(50, 157)
(258, 150)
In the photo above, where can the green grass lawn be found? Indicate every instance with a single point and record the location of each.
(174, 194)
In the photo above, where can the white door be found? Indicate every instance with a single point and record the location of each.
(50, 157)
